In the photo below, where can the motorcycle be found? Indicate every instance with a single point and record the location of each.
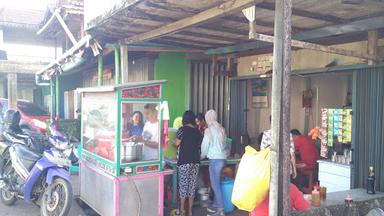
(43, 178)
(12, 133)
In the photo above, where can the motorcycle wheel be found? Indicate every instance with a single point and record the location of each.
(61, 199)
(8, 198)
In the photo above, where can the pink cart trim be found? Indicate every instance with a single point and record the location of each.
(79, 177)
(161, 195)
(116, 184)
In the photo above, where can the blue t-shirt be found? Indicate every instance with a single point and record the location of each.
(135, 130)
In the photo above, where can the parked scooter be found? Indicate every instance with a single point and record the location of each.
(41, 178)
(12, 133)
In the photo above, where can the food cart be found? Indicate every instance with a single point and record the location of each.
(121, 173)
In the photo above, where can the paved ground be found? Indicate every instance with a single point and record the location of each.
(22, 208)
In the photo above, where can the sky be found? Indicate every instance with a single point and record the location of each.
(28, 4)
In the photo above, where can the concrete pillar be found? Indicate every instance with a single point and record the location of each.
(12, 90)
(124, 63)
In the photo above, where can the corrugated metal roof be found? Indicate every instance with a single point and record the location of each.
(20, 18)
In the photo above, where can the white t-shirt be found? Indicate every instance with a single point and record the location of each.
(151, 133)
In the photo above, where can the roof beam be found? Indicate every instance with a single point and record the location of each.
(263, 23)
(318, 47)
(199, 18)
(66, 29)
(191, 11)
(355, 26)
(139, 14)
(56, 15)
(304, 13)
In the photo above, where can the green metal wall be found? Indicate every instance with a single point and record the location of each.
(173, 68)
(368, 125)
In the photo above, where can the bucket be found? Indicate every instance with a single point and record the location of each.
(226, 188)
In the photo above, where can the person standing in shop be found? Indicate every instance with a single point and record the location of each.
(213, 147)
(188, 140)
(267, 141)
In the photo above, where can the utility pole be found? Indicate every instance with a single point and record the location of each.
(279, 201)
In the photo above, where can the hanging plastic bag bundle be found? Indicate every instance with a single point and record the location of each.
(252, 179)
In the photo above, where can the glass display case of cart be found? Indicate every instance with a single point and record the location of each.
(122, 127)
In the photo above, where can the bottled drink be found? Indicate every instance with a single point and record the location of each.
(316, 197)
(371, 181)
(350, 208)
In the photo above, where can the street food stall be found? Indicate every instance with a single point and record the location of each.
(121, 167)
(335, 168)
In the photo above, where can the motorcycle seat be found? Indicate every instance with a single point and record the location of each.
(27, 157)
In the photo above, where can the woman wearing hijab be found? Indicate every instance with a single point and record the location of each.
(213, 147)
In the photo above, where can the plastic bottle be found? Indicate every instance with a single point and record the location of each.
(350, 208)
(316, 197)
(371, 181)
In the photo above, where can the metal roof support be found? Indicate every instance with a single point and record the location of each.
(100, 66)
(57, 99)
(82, 42)
(117, 65)
(279, 202)
(12, 90)
(124, 63)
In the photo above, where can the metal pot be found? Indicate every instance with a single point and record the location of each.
(132, 151)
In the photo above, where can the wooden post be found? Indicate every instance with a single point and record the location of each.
(117, 66)
(124, 63)
(279, 201)
(100, 70)
(12, 90)
(372, 45)
(57, 104)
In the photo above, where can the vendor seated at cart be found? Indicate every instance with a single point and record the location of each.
(136, 124)
(150, 135)
(306, 147)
